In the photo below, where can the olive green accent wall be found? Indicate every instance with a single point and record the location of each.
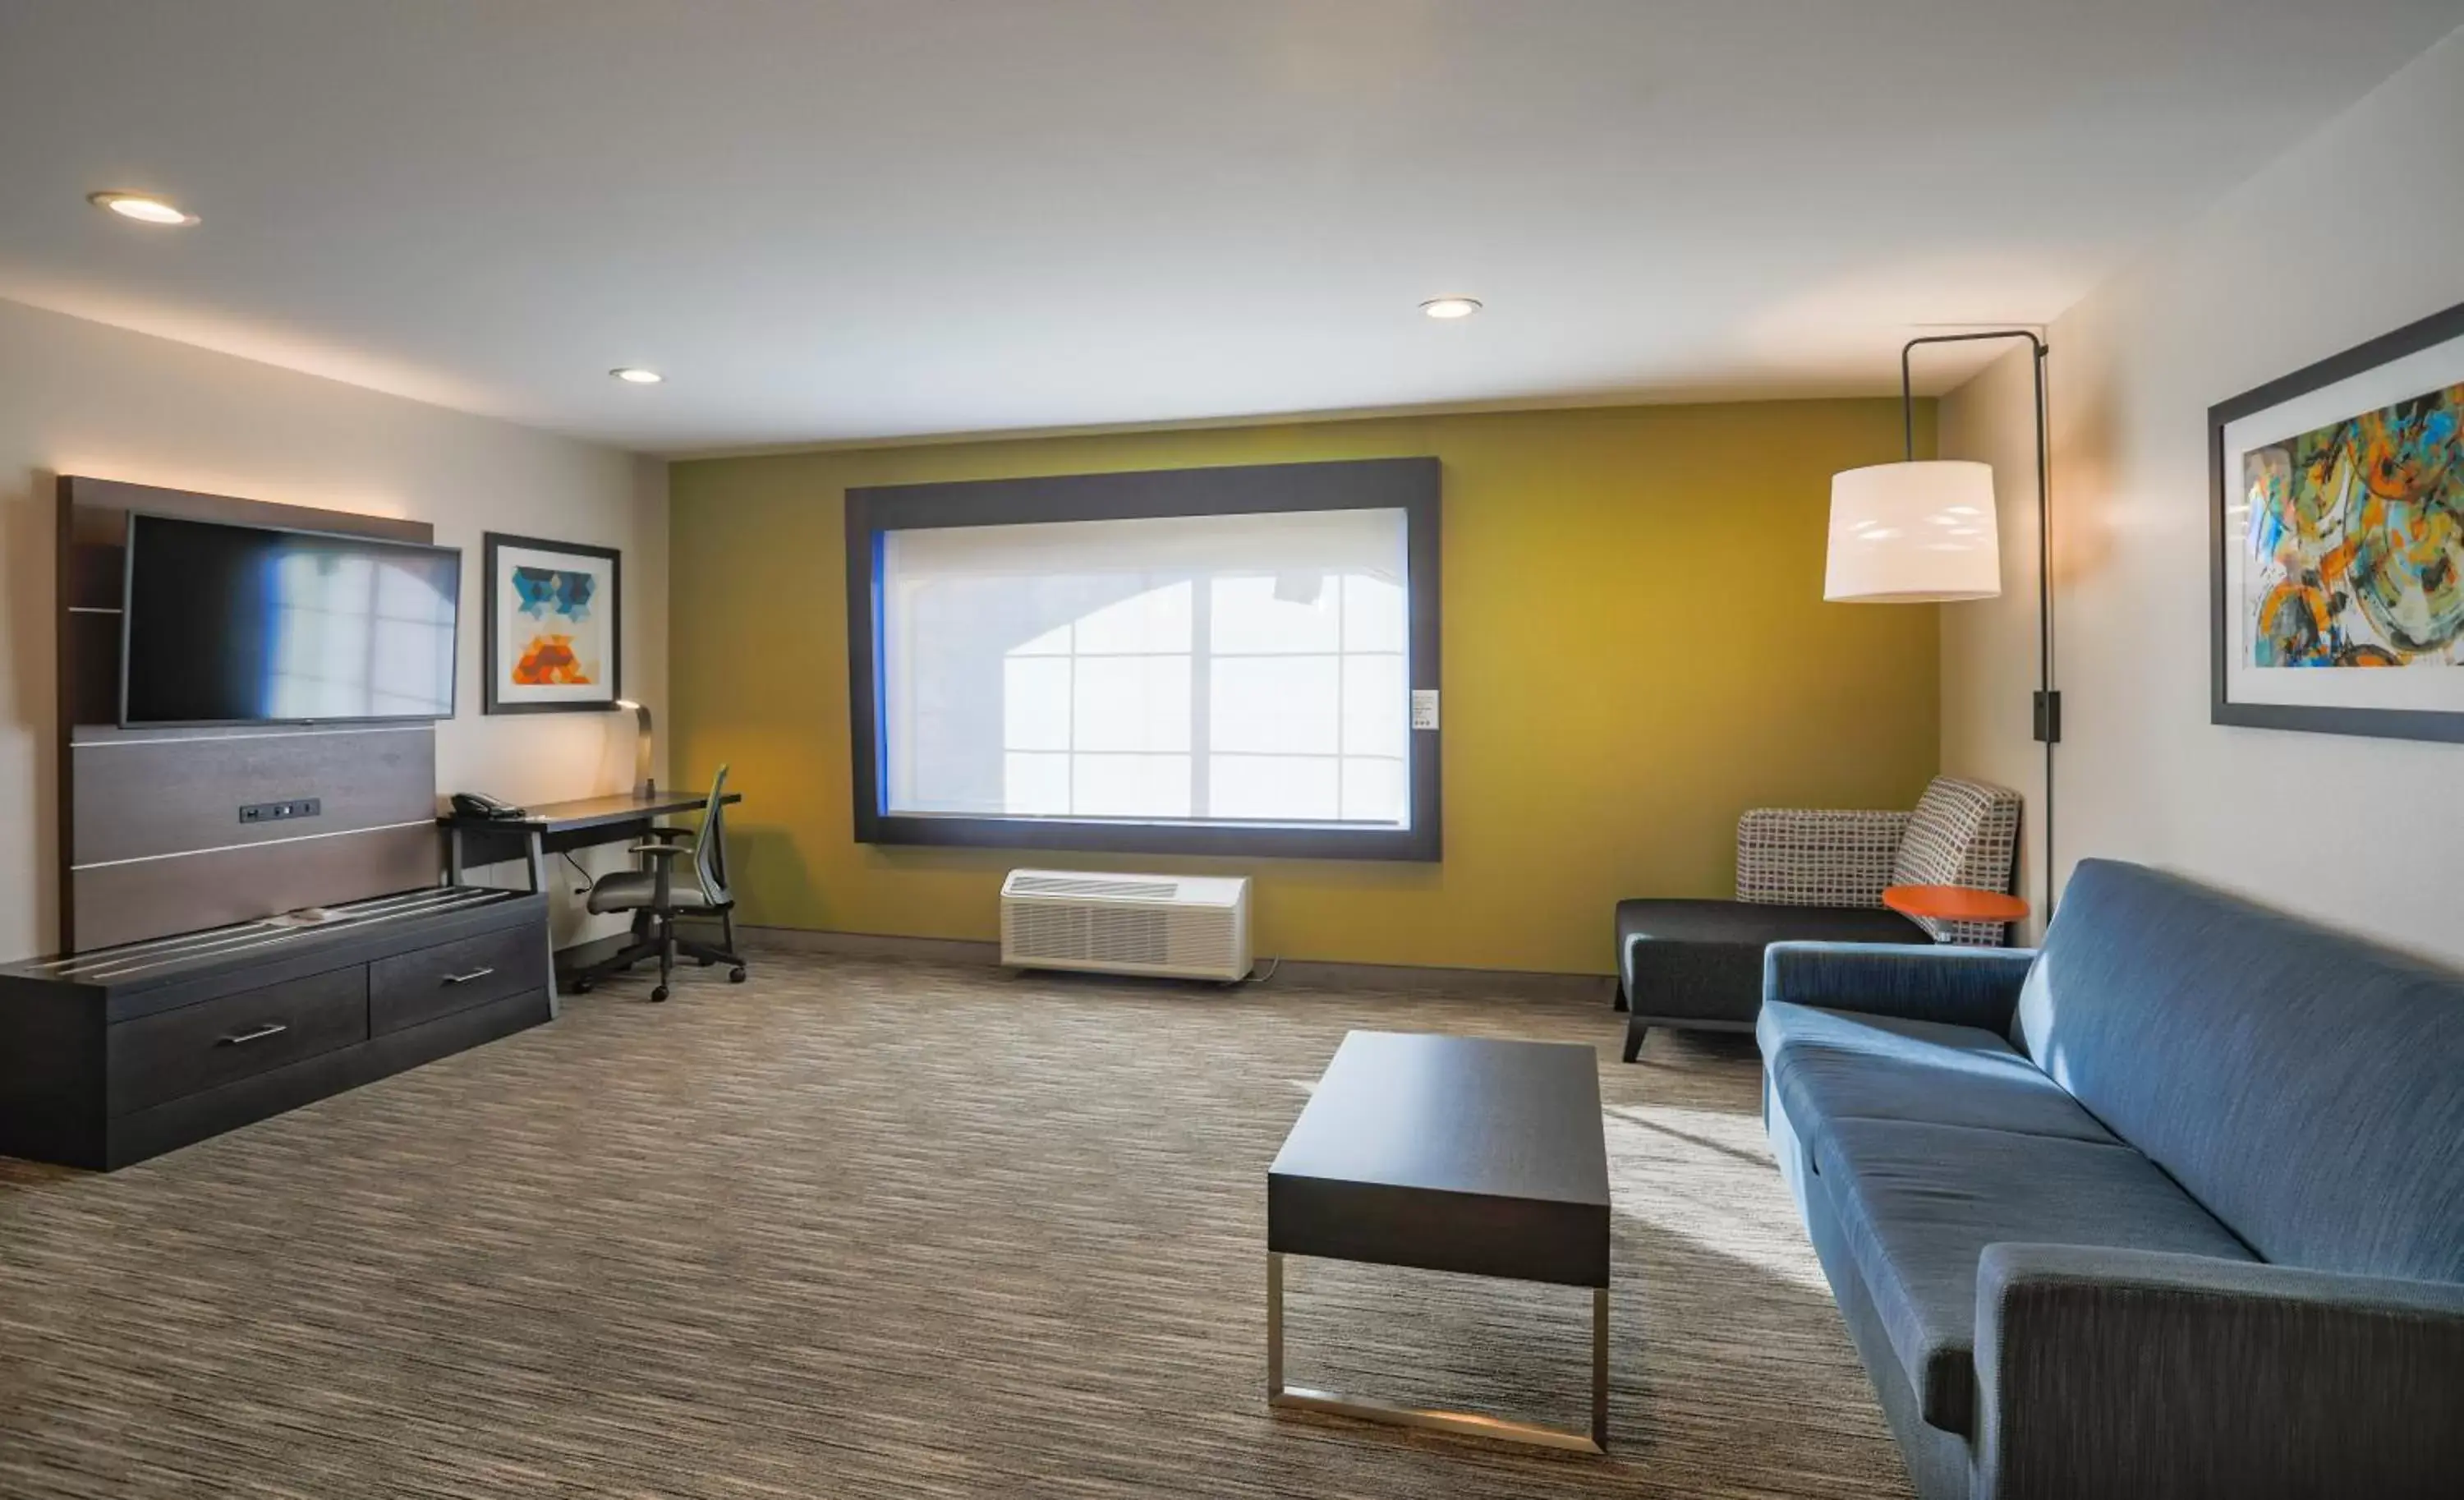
(1635, 651)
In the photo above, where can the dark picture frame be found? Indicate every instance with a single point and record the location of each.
(2376, 722)
(491, 676)
(1411, 485)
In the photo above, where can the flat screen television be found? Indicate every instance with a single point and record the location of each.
(224, 624)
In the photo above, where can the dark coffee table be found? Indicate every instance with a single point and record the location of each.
(1449, 1153)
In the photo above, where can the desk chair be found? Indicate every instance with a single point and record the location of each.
(657, 897)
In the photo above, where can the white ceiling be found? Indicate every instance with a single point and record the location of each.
(870, 218)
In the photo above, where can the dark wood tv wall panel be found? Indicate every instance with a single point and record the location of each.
(150, 839)
(363, 778)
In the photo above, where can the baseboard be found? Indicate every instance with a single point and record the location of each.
(597, 950)
(1521, 984)
(1298, 972)
(582, 955)
(874, 945)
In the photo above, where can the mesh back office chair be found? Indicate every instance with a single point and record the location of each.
(657, 896)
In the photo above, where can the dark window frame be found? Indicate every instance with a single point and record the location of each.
(1411, 485)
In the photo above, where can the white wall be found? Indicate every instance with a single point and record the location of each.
(2354, 233)
(81, 398)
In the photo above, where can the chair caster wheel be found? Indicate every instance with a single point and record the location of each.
(580, 986)
(660, 993)
(735, 975)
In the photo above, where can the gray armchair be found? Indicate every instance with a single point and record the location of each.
(1811, 876)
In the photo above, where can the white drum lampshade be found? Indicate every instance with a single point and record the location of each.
(1913, 533)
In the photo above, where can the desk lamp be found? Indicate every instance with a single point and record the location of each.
(643, 786)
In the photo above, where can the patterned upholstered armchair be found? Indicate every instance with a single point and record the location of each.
(1811, 876)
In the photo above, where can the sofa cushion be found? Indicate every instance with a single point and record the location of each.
(1831, 1065)
(1703, 959)
(1918, 1203)
(2305, 1087)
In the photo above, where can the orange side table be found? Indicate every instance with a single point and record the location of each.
(1954, 903)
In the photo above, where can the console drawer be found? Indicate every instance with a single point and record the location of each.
(425, 984)
(208, 1044)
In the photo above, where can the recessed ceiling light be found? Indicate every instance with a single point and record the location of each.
(1450, 306)
(634, 375)
(141, 206)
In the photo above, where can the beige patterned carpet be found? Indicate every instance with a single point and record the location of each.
(870, 1228)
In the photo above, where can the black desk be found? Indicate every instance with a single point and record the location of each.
(554, 827)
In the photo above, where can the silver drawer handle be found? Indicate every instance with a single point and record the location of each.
(257, 1034)
(465, 979)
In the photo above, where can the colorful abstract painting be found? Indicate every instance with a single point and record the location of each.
(552, 624)
(554, 605)
(2339, 533)
(2356, 541)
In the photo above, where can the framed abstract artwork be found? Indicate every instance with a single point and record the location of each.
(554, 617)
(2336, 542)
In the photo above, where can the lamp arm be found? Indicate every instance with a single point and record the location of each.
(2048, 700)
(1908, 387)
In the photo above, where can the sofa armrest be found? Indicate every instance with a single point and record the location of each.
(1802, 856)
(2107, 1371)
(1911, 982)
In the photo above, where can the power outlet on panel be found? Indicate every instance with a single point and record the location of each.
(276, 811)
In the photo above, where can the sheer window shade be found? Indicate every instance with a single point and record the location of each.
(1204, 669)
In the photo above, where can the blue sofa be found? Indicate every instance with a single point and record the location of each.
(2172, 1207)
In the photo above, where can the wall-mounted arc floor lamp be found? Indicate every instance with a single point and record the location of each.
(1924, 533)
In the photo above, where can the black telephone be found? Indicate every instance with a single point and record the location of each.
(480, 804)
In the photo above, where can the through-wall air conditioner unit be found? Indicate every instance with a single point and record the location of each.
(1179, 926)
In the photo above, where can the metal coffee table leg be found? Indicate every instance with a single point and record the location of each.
(1469, 1423)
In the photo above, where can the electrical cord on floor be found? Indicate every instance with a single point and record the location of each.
(1272, 964)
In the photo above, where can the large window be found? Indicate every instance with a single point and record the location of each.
(1204, 660)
